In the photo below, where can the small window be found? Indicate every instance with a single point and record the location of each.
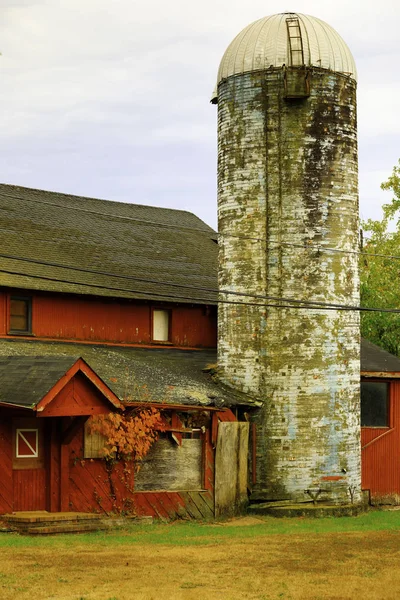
(161, 325)
(94, 443)
(374, 404)
(27, 443)
(20, 314)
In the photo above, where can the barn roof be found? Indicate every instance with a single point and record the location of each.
(63, 243)
(133, 374)
(376, 360)
(24, 380)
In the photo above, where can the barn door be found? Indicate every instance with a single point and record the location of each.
(29, 473)
(231, 468)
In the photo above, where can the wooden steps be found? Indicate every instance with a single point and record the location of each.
(44, 523)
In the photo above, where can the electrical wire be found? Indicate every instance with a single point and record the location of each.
(300, 304)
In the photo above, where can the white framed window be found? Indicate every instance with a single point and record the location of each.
(161, 325)
(27, 443)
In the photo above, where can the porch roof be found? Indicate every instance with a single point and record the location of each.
(25, 380)
(169, 376)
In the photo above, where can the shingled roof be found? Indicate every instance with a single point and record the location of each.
(376, 360)
(62, 243)
(134, 374)
(24, 380)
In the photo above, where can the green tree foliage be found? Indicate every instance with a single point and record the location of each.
(380, 275)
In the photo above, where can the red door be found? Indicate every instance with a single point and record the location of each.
(29, 472)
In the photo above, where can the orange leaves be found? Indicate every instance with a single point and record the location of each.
(128, 436)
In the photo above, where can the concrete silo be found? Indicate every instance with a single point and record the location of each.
(288, 224)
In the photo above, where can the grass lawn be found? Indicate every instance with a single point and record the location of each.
(256, 558)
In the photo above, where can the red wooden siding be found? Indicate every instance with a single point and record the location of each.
(69, 317)
(29, 489)
(6, 481)
(3, 313)
(380, 459)
(78, 397)
(89, 489)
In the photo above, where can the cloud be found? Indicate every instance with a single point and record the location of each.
(111, 99)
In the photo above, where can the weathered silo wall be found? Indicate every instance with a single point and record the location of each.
(288, 197)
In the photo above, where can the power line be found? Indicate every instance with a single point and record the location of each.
(299, 304)
(212, 234)
(315, 303)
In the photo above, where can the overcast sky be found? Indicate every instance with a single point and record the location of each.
(110, 98)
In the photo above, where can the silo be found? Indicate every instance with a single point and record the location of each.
(288, 225)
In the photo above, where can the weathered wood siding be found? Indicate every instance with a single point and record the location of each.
(69, 317)
(231, 468)
(172, 467)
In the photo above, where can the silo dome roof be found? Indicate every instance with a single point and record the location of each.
(290, 39)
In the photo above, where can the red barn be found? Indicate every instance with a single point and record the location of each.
(97, 300)
(380, 424)
(100, 300)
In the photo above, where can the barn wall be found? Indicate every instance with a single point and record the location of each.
(3, 315)
(91, 488)
(94, 319)
(6, 479)
(380, 450)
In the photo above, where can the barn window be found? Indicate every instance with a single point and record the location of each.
(161, 325)
(20, 314)
(374, 404)
(27, 443)
(94, 443)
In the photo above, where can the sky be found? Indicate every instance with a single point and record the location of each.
(111, 99)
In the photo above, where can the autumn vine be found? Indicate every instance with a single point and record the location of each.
(128, 438)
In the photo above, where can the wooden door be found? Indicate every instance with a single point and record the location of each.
(231, 468)
(29, 468)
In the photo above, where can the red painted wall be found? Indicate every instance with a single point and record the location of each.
(68, 317)
(380, 454)
(6, 483)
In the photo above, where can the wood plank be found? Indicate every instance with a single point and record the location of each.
(64, 478)
(190, 506)
(170, 467)
(201, 504)
(231, 468)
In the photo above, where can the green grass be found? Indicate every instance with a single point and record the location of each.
(192, 534)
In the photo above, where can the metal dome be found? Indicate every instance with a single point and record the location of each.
(290, 39)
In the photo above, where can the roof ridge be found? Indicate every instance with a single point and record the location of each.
(103, 201)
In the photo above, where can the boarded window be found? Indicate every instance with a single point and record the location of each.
(171, 467)
(94, 443)
(161, 320)
(20, 314)
(374, 404)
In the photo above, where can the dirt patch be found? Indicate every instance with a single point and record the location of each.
(291, 567)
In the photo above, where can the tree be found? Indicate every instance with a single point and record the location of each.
(380, 273)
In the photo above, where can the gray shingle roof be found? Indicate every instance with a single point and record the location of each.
(24, 380)
(138, 243)
(375, 359)
(168, 375)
